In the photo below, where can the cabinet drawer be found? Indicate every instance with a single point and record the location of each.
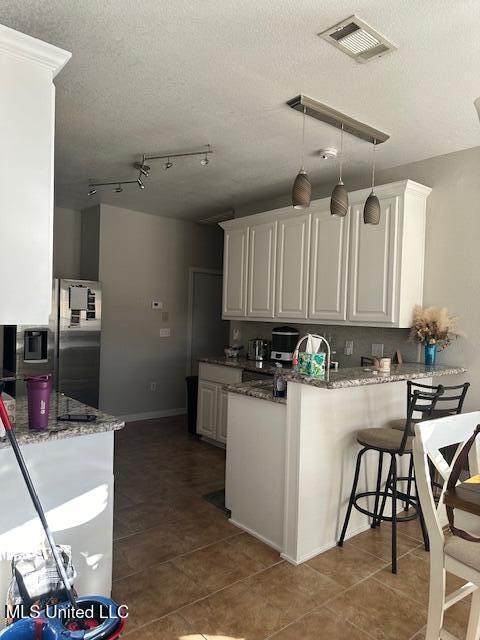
(217, 373)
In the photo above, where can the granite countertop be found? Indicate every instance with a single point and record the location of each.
(361, 376)
(261, 389)
(60, 404)
(267, 366)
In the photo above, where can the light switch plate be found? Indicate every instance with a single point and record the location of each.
(377, 350)
(164, 333)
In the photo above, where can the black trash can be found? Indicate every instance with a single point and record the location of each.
(192, 392)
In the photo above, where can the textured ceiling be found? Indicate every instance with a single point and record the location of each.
(171, 75)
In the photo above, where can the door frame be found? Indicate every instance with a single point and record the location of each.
(192, 271)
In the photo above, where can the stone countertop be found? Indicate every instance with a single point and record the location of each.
(267, 366)
(60, 404)
(362, 376)
(261, 389)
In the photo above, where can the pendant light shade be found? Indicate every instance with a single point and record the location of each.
(371, 210)
(302, 187)
(339, 198)
(301, 191)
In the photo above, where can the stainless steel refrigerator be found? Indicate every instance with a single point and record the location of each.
(68, 348)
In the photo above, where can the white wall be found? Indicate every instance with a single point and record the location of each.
(146, 257)
(66, 243)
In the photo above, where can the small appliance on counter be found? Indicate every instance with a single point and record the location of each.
(284, 341)
(233, 351)
(258, 349)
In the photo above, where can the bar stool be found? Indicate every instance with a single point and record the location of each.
(454, 396)
(392, 442)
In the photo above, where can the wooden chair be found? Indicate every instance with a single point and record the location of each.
(447, 552)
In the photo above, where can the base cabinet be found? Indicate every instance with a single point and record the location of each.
(212, 401)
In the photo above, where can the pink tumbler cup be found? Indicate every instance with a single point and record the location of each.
(39, 389)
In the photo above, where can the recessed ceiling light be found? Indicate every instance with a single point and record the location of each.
(357, 39)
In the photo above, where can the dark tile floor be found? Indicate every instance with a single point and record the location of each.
(188, 574)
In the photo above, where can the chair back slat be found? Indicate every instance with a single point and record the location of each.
(431, 437)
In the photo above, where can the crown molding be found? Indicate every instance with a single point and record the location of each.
(24, 47)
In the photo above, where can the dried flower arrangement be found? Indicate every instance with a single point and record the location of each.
(433, 325)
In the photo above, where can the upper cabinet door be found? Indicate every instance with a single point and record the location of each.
(261, 271)
(328, 266)
(235, 257)
(293, 244)
(374, 265)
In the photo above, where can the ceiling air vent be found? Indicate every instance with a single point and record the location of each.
(357, 39)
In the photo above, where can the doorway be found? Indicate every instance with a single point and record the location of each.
(207, 333)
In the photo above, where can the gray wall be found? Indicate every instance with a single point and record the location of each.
(66, 243)
(143, 258)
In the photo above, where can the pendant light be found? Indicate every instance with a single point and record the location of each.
(302, 188)
(339, 198)
(371, 210)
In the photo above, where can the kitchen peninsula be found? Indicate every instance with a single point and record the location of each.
(290, 465)
(71, 465)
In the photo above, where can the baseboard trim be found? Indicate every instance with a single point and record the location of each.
(323, 548)
(150, 415)
(256, 535)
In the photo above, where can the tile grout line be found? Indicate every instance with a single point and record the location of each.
(189, 604)
(181, 555)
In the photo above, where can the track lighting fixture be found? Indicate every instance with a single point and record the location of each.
(302, 188)
(144, 169)
(339, 199)
(371, 210)
(118, 186)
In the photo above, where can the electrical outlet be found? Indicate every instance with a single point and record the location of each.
(377, 350)
(157, 305)
(237, 335)
(348, 348)
(153, 386)
(164, 333)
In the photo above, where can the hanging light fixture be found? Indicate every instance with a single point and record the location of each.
(371, 210)
(167, 165)
(119, 188)
(302, 188)
(339, 198)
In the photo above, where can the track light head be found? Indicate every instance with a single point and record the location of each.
(167, 165)
(92, 191)
(140, 183)
(119, 189)
(143, 168)
(204, 161)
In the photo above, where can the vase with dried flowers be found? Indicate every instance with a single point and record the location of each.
(435, 328)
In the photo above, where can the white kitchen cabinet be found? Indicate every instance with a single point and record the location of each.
(212, 401)
(373, 265)
(291, 291)
(328, 265)
(27, 124)
(207, 409)
(327, 269)
(235, 264)
(261, 269)
(222, 415)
